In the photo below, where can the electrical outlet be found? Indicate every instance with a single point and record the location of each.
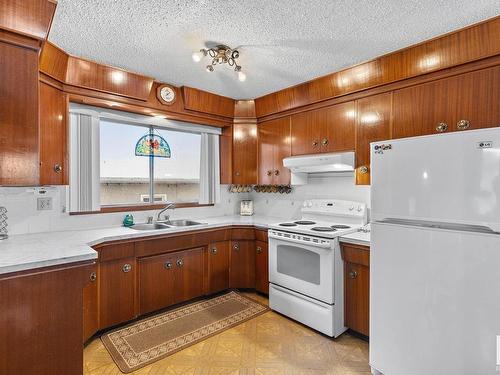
(43, 204)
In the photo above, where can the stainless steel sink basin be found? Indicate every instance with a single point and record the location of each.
(149, 226)
(181, 223)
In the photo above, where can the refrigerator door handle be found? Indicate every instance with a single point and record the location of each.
(442, 225)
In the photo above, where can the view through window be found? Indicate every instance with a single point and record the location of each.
(130, 179)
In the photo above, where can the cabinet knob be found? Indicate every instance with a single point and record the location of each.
(441, 127)
(236, 247)
(127, 268)
(353, 274)
(93, 277)
(259, 249)
(463, 124)
(315, 143)
(214, 250)
(269, 173)
(58, 168)
(363, 169)
(168, 265)
(180, 262)
(276, 172)
(324, 142)
(237, 173)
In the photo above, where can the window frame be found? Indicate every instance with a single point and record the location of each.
(145, 206)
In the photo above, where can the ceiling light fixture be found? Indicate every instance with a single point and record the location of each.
(221, 55)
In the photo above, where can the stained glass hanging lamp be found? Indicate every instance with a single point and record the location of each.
(152, 145)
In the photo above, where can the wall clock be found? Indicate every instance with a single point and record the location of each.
(166, 94)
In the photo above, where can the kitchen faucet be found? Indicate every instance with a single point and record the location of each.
(167, 217)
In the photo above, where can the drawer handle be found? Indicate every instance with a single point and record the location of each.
(168, 265)
(93, 277)
(441, 127)
(324, 142)
(353, 274)
(269, 173)
(259, 249)
(236, 247)
(315, 143)
(214, 250)
(463, 124)
(237, 173)
(363, 169)
(126, 268)
(58, 168)
(276, 172)
(180, 262)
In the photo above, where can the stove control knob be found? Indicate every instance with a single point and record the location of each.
(304, 204)
(351, 208)
(360, 209)
(309, 204)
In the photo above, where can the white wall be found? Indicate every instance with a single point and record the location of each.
(23, 217)
(288, 205)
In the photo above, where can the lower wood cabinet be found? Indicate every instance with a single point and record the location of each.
(242, 266)
(170, 278)
(218, 266)
(116, 291)
(356, 287)
(91, 305)
(261, 267)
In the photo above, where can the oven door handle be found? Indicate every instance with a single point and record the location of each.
(325, 245)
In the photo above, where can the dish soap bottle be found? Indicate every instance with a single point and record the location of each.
(128, 221)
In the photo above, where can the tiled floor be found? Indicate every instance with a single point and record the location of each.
(268, 344)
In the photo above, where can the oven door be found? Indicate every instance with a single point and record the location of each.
(302, 267)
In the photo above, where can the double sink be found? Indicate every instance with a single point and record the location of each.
(165, 224)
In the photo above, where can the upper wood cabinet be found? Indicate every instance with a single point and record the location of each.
(273, 146)
(18, 115)
(329, 129)
(373, 120)
(462, 102)
(53, 136)
(244, 168)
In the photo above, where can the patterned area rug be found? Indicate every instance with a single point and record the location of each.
(148, 340)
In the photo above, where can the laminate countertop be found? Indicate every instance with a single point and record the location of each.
(30, 251)
(358, 238)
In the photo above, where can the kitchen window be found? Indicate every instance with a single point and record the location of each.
(133, 161)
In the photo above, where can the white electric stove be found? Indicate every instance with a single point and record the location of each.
(305, 264)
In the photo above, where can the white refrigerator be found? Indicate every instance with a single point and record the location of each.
(435, 255)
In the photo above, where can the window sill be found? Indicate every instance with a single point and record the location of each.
(138, 207)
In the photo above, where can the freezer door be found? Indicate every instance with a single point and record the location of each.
(434, 301)
(441, 178)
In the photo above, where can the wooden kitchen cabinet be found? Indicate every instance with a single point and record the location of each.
(356, 287)
(91, 305)
(242, 264)
(373, 123)
(218, 266)
(273, 146)
(261, 267)
(188, 274)
(329, 129)
(116, 291)
(244, 166)
(463, 102)
(53, 136)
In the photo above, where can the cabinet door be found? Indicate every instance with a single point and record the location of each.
(242, 264)
(357, 298)
(53, 136)
(337, 127)
(478, 100)
(156, 282)
(188, 275)
(90, 305)
(117, 291)
(274, 146)
(373, 122)
(18, 115)
(244, 154)
(218, 266)
(261, 267)
(305, 132)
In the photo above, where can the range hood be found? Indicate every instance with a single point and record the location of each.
(303, 165)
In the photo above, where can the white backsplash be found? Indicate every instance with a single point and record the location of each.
(23, 217)
(288, 205)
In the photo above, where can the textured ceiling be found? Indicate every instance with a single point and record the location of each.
(283, 42)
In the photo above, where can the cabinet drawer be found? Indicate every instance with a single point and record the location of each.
(115, 251)
(261, 235)
(356, 254)
(243, 234)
